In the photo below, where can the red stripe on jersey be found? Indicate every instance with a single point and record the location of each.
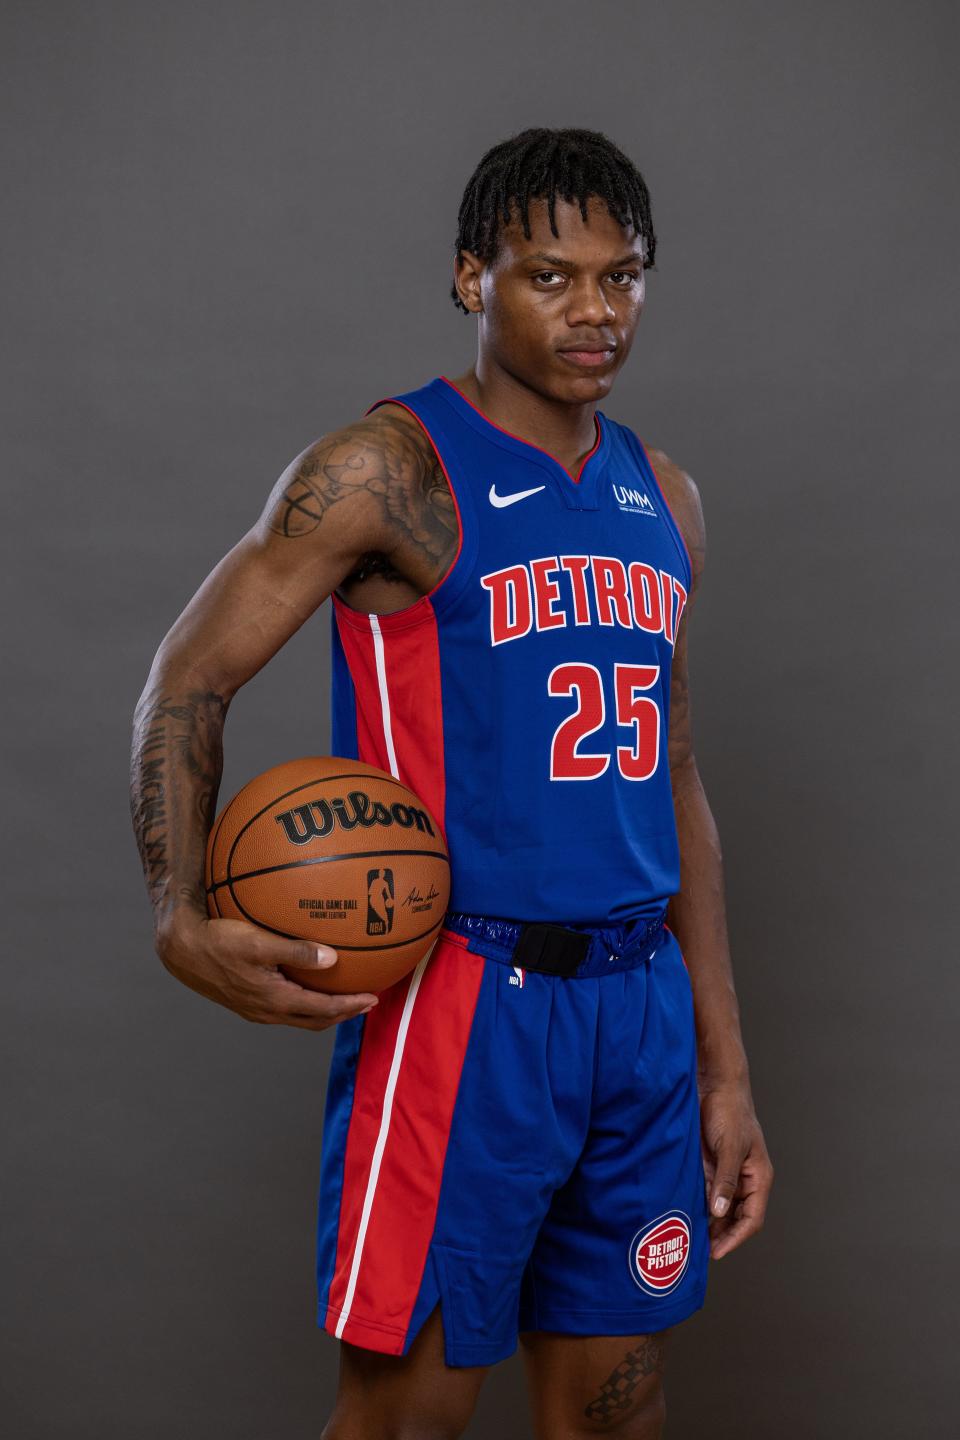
(401, 707)
(415, 1040)
(453, 938)
(357, 640)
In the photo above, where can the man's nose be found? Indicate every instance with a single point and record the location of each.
(589, 305)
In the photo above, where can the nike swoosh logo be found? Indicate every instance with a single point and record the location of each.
(500, 500)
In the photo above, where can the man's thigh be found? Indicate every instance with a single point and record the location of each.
(415, 1394)
(584, 1385)
(624, 1246)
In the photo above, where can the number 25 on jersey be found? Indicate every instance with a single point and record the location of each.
(639, 712)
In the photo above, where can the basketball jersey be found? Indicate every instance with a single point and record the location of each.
(525, 698)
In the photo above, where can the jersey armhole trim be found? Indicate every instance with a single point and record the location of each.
(420, 609)
(408, 618)
(678, 539)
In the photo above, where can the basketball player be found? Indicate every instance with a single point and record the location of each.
(541, 1134)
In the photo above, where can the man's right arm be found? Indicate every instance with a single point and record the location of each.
(367, 489)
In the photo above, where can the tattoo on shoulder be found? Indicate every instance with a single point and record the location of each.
(389, 460)
(616, 1392)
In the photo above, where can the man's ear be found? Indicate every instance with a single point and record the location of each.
(467, 270)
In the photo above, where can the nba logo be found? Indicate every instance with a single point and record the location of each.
(379, 901)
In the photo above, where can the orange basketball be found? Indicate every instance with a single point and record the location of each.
(339, 852)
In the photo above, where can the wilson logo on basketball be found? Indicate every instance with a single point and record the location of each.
(318, 818)
(659, 1253)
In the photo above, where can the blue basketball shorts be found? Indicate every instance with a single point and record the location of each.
(521, 1148)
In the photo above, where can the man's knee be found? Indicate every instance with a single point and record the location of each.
(419, 1418)
(416, 1396)
(397, 1427)
(596, 1385)
(640, 1418)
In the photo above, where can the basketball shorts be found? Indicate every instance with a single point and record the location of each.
(522, 1148)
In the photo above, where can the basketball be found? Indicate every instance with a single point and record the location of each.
(335, 851)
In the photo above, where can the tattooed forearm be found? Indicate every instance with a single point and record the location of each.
(176, 765)
(148, 801)
(393, 464)
(617, 1393)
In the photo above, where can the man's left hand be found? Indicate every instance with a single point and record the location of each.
(736, 1165)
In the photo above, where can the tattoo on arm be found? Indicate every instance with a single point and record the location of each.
(616, 1392)
(384, 458)
(680, 733)
(177, 750)
(176, 765)
(690, 513)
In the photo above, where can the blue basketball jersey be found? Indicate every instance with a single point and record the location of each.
(525, 699)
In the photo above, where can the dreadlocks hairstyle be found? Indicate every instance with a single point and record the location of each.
(542, 164)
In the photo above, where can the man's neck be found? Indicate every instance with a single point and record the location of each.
(565, 431)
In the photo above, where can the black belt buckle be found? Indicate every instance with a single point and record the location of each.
(552, 949)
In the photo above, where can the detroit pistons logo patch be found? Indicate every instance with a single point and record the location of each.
(659, 1253)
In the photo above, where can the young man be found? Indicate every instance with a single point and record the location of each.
(542, 1133)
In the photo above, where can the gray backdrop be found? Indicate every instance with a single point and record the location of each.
(230, 228)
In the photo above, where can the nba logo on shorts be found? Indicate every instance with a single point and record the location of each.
(379, 901)
(659, 1253)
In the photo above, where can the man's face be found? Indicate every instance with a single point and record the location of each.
(559, 314)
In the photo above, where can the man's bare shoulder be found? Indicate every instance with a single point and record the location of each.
(373, 488)
(381, 451)
(683, 497)
(396, 430)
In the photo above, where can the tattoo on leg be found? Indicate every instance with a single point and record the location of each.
(616, 1392)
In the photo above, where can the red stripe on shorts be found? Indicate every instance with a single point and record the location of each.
(415, 1040)
(377, 1294)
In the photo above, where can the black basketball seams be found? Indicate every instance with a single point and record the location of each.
(232, 880)
(383, 778)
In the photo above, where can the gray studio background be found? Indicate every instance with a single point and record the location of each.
(229, 228)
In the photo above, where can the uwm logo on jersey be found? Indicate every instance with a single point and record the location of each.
(558, 590)
(634, 502)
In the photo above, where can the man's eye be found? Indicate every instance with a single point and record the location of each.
(627, 275)
(542, 273)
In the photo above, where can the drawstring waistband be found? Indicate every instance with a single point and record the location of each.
(577, 952)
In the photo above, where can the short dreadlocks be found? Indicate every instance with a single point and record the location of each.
(538, 163)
